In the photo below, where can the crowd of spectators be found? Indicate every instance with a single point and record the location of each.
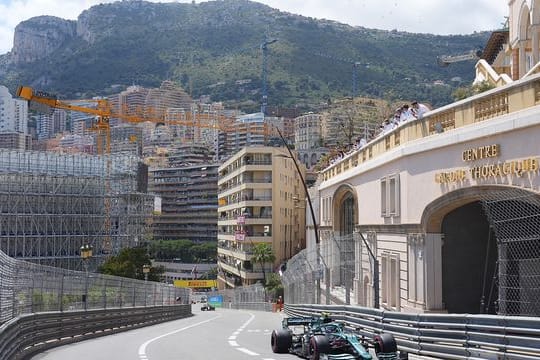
(402, 115)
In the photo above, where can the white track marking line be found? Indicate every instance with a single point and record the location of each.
(142, 348)
(237, 332)
(246, 351)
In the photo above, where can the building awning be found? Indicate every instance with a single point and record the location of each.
(494, 45)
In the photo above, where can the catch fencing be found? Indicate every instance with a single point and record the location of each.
(308, 279)
(27, 288)
(301, 279)
(514, 215)
(253, 297)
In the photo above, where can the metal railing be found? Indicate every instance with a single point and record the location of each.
(441, 336)
(27, 288)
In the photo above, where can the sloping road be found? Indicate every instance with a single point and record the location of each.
(221, 334)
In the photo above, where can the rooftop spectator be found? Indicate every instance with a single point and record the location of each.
(419, 109)
(406, 113)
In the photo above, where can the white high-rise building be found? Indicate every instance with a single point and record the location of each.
(13, 113)
(21, 116)
(50, 125)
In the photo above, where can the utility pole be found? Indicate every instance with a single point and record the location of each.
(355, 66)
(264, 48)
(315, 228)
(376, 290)
(86, 254)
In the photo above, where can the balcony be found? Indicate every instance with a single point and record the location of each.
(231, 281)
(243, 253)
(237, 270)
(247, 218)
(253, 166)
(226, 235)
(256, 201)
(250, 183)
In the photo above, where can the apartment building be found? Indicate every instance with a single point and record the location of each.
(13, 122)
(50, 125)
(15, 140)
(187, 186)
(247, 130)
(260, 200)
(308, 138)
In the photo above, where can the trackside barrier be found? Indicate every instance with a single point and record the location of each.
(28, 288)
(255, 306)
(442, 336)
(29, 334)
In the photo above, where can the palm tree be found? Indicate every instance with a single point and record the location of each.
(262, 254)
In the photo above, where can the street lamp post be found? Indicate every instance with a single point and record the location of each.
(376, 290)
(146, 270)
(315, 227)
(86, 254)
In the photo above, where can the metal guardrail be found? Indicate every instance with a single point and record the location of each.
(26, 335)
(442, 336)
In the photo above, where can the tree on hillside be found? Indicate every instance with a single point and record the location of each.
(274, 286)
(263, 254)
(129, 263)
(467, 91)
(185, 250)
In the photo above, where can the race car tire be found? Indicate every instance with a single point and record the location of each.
(281, 341)
(318, 345)
(385, 343)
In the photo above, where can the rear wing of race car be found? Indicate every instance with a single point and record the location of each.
(299, 321)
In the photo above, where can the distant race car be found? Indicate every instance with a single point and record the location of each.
(318, 338)
(207, 307)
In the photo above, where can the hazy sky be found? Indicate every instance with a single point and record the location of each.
(419, 16)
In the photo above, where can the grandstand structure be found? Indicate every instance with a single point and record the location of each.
(52, 203)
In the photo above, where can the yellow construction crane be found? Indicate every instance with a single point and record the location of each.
(44, 102)
(446, 60)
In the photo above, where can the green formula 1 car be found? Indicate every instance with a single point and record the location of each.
(322, 338)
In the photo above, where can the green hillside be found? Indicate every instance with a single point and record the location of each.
(213, 48)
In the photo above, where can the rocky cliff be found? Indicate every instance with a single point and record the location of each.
(39, 37)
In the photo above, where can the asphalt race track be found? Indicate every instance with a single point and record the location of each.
(221, 334)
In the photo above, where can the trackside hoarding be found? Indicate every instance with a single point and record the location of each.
(196, 284)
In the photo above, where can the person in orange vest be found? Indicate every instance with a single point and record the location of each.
(279, 303)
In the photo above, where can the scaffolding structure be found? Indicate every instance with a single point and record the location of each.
(51, 204)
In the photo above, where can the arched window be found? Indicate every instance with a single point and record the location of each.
(347, 218)
(313, 159)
